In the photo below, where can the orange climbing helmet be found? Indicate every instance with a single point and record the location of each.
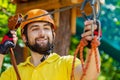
(34, 13)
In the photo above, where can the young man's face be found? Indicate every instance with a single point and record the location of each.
(40, 36)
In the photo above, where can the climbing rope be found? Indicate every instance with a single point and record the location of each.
(93, 44)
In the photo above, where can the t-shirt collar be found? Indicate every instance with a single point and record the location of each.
(51, 58)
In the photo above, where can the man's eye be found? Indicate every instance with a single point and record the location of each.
(46, 28)
(34, 29)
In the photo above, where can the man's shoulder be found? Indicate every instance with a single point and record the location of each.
(69, 59)
(27, 61)
(65, 57)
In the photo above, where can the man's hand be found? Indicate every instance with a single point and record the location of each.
(9, 41)
(91, 57)
(88, 30)
(14, 35)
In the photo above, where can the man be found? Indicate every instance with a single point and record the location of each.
(39, 34)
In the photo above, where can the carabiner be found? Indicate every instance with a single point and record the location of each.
(94, 16)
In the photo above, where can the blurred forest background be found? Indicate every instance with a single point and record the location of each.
(110, 42)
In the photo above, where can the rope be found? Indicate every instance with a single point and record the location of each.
(52, 12)
(94, 44)
(13, 61)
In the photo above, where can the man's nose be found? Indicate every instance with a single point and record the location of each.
(41, 32)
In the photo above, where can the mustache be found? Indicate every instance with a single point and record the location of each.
(42, 37)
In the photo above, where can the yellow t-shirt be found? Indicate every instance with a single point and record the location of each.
(53, 68)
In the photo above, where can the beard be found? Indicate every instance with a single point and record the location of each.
(46, 49)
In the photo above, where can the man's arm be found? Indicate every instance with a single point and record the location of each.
(1, 59)
(6, 44)
(91, 73)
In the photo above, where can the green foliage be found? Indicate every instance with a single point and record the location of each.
(7, 9)
(74, 43)
(110, 20)
(6, 63)
(110, 69)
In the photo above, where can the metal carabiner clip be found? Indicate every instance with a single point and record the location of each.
(95, 5)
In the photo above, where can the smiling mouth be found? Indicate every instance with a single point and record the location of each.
(41, 40)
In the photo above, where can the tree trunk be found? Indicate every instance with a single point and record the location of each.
(63, 34)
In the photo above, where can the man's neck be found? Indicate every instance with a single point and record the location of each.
(36, 58)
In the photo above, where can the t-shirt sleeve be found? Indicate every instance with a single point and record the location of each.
(69, 61)
(7, 74)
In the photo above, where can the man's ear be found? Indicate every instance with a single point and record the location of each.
(54, 35)
(24, 38)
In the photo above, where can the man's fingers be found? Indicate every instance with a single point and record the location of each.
(14, 34)
(15, 40)
(88, 33)
(88, 38)
(88, 22)
(89, 27)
